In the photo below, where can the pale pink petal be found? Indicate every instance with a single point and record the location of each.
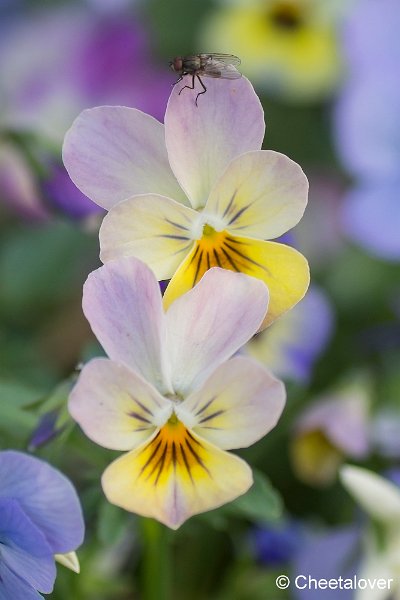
(122, 302)
(239, 403)
(115, 407)
(208, 324)
(203, 139)
(112, 153)
(262, 194)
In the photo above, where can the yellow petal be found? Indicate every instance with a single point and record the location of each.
(69, 560)
(315, 459)
(175, 475)
(283, 269)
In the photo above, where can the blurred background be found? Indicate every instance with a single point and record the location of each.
(327, 74)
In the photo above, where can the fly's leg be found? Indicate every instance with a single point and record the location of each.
(203, 86)
(187, 86)
(177, 81)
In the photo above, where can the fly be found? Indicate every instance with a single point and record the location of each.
(219, 66)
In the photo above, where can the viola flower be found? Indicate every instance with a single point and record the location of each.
(168, 395)
(334, 427)
(40, 520)
(196, 193)
(380, 498)
(291, 345)
(289, 47)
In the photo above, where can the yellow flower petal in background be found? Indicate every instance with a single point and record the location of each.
(175, 475)
(315, 458)
(289, 46)
(283, 269)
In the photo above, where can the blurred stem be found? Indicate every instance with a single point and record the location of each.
(156, 572)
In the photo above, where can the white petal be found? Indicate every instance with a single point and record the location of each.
(377, 496)
(239, 403)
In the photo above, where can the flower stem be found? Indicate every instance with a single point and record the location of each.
(156, 572)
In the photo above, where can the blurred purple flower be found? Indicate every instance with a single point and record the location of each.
(277, 545)
(291, 345)
(367, 120)
(63, 194)
(46, 430)
(329, 555)
(385, 433)
(332, 428)
(57, 62)
(40, 516)
(393, 474)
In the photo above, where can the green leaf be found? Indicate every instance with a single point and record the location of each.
(261, 504)
(40, 268)
(17, 394)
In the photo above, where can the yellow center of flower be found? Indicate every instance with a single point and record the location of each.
(218, 249)
(286, 16)
(173, 448)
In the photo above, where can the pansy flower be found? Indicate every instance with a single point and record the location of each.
(329, 430)
(167, 393)
(195, 193)
(40, 521)
(289, 47)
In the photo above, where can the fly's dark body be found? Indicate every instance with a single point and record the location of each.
(218, 66)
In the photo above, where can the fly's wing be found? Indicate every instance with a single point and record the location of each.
(220, 66)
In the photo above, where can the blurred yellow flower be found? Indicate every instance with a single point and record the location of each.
(288, 46)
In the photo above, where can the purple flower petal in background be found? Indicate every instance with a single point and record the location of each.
(326, 556)
(40, 516)
(393, 475)
(46, 497)
(385, 429)
(367, 119)
(53, 65)
(277, 545)
(59, 62)
(291, 345)
(371, 217)
(24, 549)
(371, 37)
(64, 194)
(367, 127)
